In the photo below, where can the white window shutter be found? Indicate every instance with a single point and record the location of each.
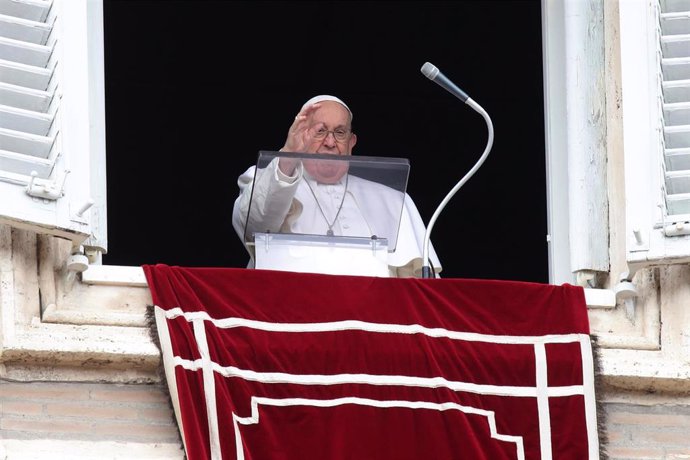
(675, 76)
(655, 79)
(52, 118)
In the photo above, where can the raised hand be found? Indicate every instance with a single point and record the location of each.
(297, 138)
(298, 133)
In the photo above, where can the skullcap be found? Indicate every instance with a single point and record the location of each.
(326, 97)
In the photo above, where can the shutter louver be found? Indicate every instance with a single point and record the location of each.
(675, 76)
(28, 107)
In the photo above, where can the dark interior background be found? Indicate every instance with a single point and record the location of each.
(194, 89)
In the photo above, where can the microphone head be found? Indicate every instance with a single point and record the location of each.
(429, 70)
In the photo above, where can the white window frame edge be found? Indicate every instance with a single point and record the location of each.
(78, 70)
(553, 43)
(578, 249)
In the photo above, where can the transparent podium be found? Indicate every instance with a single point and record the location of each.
(331, 214)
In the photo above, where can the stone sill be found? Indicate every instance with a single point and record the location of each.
(641, 370)
(114, 275)
(76, 344)
(119, 275)
(53, 314)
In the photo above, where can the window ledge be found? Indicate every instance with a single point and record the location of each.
(600, 298)
(53, 314)
(644, 370)
(43, 351)
(120, 275)
(114, 275)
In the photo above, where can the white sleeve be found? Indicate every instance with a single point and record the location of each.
(271, 199)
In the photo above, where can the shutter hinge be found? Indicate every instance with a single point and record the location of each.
(677, 229)
(51, 190)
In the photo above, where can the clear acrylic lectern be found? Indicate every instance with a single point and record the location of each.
(333, 214)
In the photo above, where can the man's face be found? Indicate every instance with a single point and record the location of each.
(333, 117)
(329, 133)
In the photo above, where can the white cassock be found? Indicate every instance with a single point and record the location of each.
(351, 207)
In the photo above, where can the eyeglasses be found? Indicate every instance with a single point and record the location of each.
(339, 134)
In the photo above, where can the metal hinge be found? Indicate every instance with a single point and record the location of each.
(47, 190)
(680, 228)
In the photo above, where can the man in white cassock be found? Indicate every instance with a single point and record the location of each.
(320, 197)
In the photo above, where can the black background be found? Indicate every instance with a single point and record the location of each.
(194, 89)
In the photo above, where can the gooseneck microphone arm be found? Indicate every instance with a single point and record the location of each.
(435, 75)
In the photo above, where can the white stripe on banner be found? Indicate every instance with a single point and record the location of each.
(209, 389)
(590, 398)
(396, 380)
(543, 402)
(229, 323)
(381, 380)
(418, 405)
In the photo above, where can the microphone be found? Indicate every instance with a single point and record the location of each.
(432, 73)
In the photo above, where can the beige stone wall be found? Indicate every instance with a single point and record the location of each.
(644, 426)
(86, 420)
